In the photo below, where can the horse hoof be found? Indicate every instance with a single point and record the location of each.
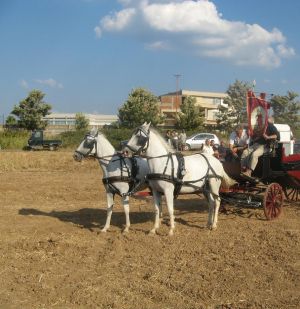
(103, 230)
(171, 233)
(152, 232)
(212, 227)
(126, 230)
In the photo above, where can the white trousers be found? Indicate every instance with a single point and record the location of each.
(250, 156)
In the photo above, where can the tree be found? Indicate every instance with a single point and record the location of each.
(236, 111)
(191, 116)
(286, 109)
(31, 110)
(140, 106)
(81, 122)
(226, 119)
(11, 121)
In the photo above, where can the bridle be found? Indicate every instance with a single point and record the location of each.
(142, 141)
(89, 142)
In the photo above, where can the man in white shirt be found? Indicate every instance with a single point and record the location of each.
(238, 141)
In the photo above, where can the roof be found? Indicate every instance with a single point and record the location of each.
(88, 116)
(206, 94)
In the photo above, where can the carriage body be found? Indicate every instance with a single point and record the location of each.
(277, 173)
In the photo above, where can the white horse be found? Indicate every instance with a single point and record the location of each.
(170, 175)
(122, 176)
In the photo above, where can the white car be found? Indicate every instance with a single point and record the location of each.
(196, 140)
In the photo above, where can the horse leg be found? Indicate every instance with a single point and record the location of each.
(214, 203)
(125, 201)
(157, 209)
(110, 205)
(170, 204)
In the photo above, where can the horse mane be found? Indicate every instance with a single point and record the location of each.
(168, 147)
(103, 135)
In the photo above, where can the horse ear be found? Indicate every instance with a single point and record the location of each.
(147, 125)
(94, 131)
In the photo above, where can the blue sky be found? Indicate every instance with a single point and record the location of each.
(87, 55)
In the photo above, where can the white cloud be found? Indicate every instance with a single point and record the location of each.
(24, 84)
(98, 31)
(118, 21)
(50, 82)
(158, 45)
(199, 27)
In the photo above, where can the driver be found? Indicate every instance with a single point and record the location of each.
(259, 146)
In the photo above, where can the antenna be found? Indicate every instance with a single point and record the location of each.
(177, 76)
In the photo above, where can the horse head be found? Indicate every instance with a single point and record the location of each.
(87, 146)
(139, 140)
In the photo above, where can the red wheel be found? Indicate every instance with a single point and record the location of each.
(273, 199)
(292, 194)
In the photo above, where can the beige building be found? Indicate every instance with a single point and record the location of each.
(211, 101)
(59, 122)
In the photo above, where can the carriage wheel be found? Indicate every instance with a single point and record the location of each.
(273, 199)
(292, 194)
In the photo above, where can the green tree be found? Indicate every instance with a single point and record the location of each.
(140, 106)
(81, 122)
(191, 116)
(31, 110)
(226, 119)
(11, 121)
(236, 110)
(286, 109)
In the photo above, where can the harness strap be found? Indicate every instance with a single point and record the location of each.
(131, 179)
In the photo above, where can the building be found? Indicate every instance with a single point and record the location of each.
(59, 122)
(211, 101)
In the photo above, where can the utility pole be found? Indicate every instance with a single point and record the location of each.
(177, 76)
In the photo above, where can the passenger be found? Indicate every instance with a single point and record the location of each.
(206, 148)
(238, 141)
(259, 146)
(215, 149)
(222, 151)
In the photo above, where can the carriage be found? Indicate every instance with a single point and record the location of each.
(277, 175)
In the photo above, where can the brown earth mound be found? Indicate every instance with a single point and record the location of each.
(53, 255)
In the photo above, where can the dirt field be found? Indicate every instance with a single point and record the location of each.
(52, 254)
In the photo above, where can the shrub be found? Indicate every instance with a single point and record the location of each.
(72, 139)
(14, 139)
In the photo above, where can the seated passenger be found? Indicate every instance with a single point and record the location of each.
(215, 149)
(259, 145)
(222, 151)
(206, 148)
(238, 141)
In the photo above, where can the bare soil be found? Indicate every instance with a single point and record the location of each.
(53, 255)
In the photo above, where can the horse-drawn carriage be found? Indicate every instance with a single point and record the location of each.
(169, 173)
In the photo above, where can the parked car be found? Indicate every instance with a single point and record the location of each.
(196, 140)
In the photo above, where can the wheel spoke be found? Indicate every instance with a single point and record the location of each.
(273, 199)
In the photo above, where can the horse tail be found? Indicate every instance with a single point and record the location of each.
(227, 181)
